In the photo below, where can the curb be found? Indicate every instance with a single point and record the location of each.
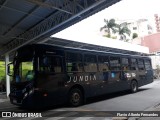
(155, 107)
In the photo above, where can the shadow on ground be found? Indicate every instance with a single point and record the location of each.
(112, 95)
(89, 101)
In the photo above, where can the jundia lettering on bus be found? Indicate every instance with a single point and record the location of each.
(82, 78)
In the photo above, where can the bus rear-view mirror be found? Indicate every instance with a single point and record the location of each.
(10, 69)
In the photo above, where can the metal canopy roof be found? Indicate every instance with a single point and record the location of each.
(72, 44)
(27, 21)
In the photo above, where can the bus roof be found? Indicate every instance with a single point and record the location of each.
(48, 46)
(86, 46)
(99, 41)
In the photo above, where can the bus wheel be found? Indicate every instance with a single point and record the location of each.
(75, 97)
(134, 86)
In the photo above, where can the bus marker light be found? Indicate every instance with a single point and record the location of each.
(45, 94)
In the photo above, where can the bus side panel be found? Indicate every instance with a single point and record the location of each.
(52, 87)
(114, 83)
(149, 76)
(90, 82)
(144, 77)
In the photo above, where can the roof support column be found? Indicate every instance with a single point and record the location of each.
(7, 76)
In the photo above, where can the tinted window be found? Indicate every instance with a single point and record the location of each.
(115, 76)
(73, 57)
(133, 64)
(140, 64)
(103, 63)
(115, 63)
(74, 62)
(50, 64)
(90, 63)
(125, 64)
(148, 64)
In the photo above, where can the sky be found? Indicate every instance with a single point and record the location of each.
(123, 10)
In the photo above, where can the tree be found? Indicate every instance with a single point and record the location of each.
(123, 30)
(109, 25)
(135, 35)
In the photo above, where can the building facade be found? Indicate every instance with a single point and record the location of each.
(157, 22)
(153, 43)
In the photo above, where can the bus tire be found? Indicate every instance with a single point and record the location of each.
(75, 97)
(134, 86)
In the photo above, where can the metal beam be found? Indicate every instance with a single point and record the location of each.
(20, 20)
(26, 13)
(58, 21)
(38, 2)
(51, 21)
(3, 2)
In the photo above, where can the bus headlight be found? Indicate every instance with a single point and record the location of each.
(31, 91)
(25, 95)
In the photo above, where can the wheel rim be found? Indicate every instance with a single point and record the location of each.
(75, 98)
(134, 86)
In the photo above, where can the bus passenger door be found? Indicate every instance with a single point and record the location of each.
(103, 65)
(114, 78)
(149, 71)
(51, 77)
(142, 72)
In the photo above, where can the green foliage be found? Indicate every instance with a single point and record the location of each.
(108, 36)
(122, 29)
(109, 25)
(135, 35)
(114, 37)
(26, 66)
(2, 71)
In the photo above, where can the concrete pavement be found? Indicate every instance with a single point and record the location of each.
(3, 97)
(153, 108)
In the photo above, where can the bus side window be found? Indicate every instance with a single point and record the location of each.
(115, 63)
(74, 62)
(103, 63)
(51, 64)
(133, 63)
(141, 64)
(147, 64)
(125, 64)
(44, 64)
(90, 63)
(57, 64)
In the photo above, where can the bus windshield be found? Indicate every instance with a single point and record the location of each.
(24, 70)
(23, 65)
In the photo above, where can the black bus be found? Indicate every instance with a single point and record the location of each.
(45, 75)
